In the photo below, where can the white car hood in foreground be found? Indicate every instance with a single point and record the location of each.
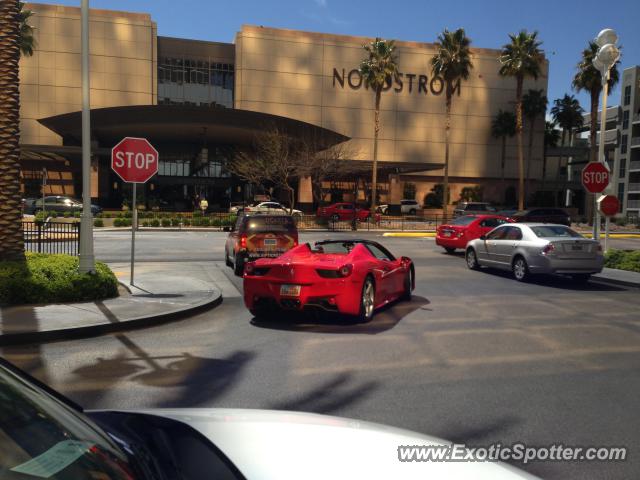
(279, 445)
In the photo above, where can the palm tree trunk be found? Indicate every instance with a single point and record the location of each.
(445, 179)
(374, 173)
(519, 83)
(11, 236)
(555, 191)
(543, 195)
(504, 156)
(529, 158)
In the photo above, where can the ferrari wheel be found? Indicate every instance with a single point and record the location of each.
(335, 217)
(367, 300)
(238, 267)
(408, 283)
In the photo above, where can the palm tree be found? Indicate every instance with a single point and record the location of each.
(534, 104)
(551, 139)
(588, 79)
(16, 37)
(567, 113)
(503, 126)
(378, 69)
(521, 58)
(452, 62)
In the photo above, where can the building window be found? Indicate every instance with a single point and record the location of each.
(627, 95)
(625, 119)
(623, 168)
(623, 144)
(621, 194)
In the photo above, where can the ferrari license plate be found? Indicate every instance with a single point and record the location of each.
(447, 234)
(270, 242)
(290, 290)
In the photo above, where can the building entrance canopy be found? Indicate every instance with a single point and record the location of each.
(183, 124)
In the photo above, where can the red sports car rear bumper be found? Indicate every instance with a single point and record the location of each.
(337, 294)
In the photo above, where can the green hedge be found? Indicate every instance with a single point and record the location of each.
(43, 278)
(98, 222)
(623, 260)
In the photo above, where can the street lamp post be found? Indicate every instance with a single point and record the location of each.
(608, 54)
(87, 260)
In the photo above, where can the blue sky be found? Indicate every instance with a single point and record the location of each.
(564, 26)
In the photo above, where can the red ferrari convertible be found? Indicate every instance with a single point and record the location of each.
(461, 230)
(352, 277)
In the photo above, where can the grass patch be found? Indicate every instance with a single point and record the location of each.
(46, 278)
(623, 260)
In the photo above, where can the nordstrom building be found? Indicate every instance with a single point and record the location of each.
(198, 100)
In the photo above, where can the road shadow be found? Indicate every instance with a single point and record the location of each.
(27, 357)
(561, 282)
(385, 319)
(475, 435)
(329, 396)
(200, 379)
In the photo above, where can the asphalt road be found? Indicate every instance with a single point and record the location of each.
(475, 357)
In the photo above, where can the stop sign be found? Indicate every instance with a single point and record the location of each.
(609, 205)
(595, 177)
(134, 160)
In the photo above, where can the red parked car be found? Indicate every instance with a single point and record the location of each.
(345, 211)
(352, 277)
(461, 230)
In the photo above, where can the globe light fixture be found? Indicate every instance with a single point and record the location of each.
(607, 36)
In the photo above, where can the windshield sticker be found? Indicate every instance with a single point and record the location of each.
(57, 458)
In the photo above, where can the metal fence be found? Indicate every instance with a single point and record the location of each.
(52, 237)
(380, 222)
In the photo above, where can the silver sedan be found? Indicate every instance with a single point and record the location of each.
(534, 248)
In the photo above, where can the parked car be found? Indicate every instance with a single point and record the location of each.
(543, 215)
(60, 203)
(46, 435)
(472, 208)
(234, 207)
(409, 207)
(258, 236)
(461, 230)
(350, 277)
(383, 209)
(271, 208)
(344, 211)
(533, 248)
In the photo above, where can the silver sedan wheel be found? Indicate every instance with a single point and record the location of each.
(472, 261)
(368, 298)
(520, 269)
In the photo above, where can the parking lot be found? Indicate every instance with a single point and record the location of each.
(475, 357)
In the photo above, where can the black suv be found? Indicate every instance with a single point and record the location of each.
(543, 215)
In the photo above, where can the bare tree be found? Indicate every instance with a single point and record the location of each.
(276, 159)
(330, 165)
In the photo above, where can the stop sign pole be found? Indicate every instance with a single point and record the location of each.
(135, 161)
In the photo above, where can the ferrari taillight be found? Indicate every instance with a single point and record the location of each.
(243, 241)
(345, 270)
(248, 268)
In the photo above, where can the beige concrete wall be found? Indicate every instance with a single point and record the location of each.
(123, 65)
(291, 73)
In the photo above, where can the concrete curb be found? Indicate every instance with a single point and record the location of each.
(410, 234)
(614, 281)
(213, 300)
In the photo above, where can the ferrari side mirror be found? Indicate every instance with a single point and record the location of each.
(483, 237)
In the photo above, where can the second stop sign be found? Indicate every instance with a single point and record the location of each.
(595, 177)
(134, 160)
